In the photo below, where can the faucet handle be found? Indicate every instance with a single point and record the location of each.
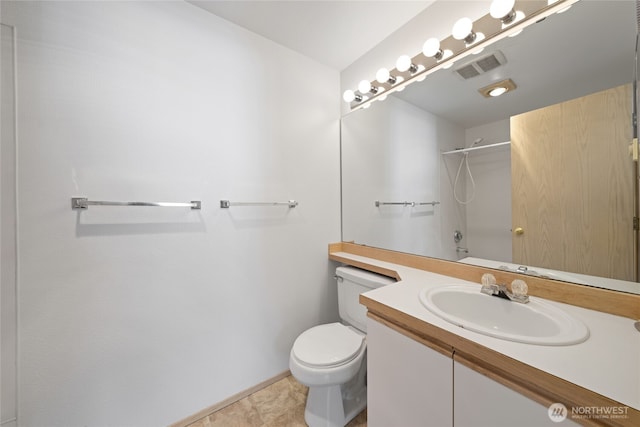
(488, 279)
(519, 287)
(519, 291)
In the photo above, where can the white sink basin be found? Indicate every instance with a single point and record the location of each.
(536, 322)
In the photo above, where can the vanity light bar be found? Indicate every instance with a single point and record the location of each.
(492, 28)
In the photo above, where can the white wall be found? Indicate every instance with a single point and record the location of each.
(489, 212)
(144, 316)
(8, 296)
(391, 152)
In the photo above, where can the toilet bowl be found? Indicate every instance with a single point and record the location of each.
(330, 359)
(327, 354)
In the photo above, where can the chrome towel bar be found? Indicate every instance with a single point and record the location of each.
(225, 204)
(378, 203)
(84, 203)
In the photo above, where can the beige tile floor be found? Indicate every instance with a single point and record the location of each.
(278, 405)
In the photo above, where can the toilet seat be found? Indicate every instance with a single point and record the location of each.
(327, 346)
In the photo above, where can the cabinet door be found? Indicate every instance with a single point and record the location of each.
(483, 402)
(409, 384)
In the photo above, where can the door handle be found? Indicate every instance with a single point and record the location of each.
(519, 231)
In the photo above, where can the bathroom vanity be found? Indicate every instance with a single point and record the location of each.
(412, 384)
(424, 370)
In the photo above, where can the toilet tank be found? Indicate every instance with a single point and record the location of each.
(351, 283)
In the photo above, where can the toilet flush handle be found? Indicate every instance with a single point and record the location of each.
(338, 278)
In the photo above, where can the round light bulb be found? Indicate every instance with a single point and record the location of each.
(364, 86)
(348, 95)
(501, 8)
(431, 47)
(462, 28)
(382, 76)
(497, 91)
(403, 63)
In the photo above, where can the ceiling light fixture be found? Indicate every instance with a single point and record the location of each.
(383, 76)
(463, 30)
(506, 18)
(498, 88)
(350, 96)
(503, 10)
(498, 91)
(431, 49)
(404, 64)
(366, 87)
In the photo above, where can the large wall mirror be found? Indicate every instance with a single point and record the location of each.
(538, 179)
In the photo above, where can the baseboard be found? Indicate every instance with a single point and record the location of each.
(233, 399)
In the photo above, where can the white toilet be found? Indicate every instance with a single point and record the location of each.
(331, 359)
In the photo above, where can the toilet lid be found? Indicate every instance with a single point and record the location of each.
(327, 345)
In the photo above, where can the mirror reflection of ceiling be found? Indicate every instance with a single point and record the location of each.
(554, 60)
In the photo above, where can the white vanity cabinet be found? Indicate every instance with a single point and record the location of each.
(408, 384)
(480, 401)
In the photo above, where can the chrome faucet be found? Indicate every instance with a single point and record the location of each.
(518, 289)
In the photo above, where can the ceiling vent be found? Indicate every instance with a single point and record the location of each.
(481, 65)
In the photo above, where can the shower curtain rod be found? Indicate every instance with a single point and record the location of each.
(466, 150)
